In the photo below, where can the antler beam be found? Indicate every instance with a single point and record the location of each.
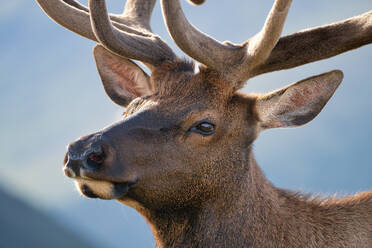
(319, 43)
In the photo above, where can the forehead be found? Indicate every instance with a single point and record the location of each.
(179, 93)
(177, 83)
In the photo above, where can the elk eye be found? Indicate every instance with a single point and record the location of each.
(204, 128)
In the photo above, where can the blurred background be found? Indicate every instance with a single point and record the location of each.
(51, 94)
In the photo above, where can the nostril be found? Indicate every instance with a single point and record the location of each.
(86, 154)
(95, 160)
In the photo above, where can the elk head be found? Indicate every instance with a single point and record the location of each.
(186, 135)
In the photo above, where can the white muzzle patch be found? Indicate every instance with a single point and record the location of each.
(102, 189)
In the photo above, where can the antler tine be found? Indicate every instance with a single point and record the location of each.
(69, 16)
(128, 35)
(76, 5)
(193, 42)
(149, 49)
(125, 18)
(75, 17)
(261, 45)
(139, 12)
(225, 57)
(318, 43)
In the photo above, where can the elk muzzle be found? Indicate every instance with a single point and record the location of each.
(89, 161)
(87, 153)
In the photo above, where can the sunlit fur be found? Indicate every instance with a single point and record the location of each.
(102, 189)
(208, 191)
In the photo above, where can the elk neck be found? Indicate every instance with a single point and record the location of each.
(243, 207)
(248, 211)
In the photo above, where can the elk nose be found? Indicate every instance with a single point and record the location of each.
(83, 156)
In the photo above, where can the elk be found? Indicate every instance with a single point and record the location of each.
(182, 154)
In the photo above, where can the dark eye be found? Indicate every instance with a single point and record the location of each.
(204, 128)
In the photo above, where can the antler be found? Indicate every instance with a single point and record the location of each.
(265, 52)
(319, 43)
(128, 35)
(220, 56)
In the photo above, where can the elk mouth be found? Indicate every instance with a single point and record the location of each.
(121, 189)
(87, 191)
(103, 189)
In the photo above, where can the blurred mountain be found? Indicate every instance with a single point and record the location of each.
(108, 224)
(23, 226)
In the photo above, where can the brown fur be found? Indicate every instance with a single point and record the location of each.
(197, 188)
(197, 191)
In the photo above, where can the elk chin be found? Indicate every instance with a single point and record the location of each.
(101, 189)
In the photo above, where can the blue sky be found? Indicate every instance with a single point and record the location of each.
(51, 94)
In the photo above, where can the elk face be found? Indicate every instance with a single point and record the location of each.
(180, 130)
(178, 126)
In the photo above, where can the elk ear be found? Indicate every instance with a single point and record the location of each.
(298, 103)
(122, 79)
